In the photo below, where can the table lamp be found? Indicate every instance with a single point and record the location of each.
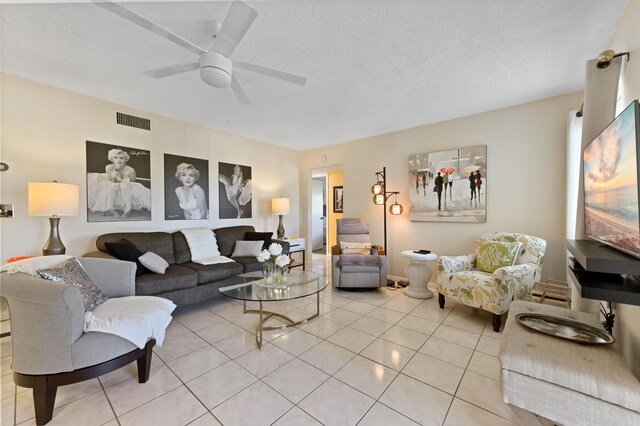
(53, 199)
(280, 207)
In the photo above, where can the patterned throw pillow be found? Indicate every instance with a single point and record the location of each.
(71, 272)
(497, 254)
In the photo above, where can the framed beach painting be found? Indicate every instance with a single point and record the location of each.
(338, 199)
(449, 186)
(234, 191)
(118, 183)
(186, 188)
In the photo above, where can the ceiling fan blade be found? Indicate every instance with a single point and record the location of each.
(145, 23)
(239, 92)
(170, 70)
(235, 26)
(291, 78)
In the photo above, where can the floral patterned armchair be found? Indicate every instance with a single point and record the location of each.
(459, 278)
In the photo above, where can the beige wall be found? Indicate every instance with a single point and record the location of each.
(526, 192)
(335, 178)
(43, 134)
(626, 39)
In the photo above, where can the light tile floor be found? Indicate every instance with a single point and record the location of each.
(371, 358)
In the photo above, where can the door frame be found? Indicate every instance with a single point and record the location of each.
(315, 172)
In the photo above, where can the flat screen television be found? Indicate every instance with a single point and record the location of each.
(611, 187)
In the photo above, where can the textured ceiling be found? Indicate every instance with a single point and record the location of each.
(373, 66)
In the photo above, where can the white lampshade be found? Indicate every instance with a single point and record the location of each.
(395, 208)
(53, 199)
(280, 206)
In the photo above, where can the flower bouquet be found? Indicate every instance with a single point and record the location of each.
(275, 266)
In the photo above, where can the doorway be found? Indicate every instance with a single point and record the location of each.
(319, 214)
(321, 217)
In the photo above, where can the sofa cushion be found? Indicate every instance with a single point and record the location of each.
(265, 237)
(249, 263)
(160, 243)
(176, 277)
(126, 250)
(216, 272)
(347, 269)
(180, 248)
(228, 236)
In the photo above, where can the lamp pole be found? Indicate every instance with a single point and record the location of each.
(384, 182)
(385, 194)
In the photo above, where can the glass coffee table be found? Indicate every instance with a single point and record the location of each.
(251, 287)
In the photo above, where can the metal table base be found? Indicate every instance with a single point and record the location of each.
(265, 315)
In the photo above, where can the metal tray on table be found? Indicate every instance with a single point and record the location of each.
(565, 329)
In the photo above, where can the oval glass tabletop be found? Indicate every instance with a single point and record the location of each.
(251, 286)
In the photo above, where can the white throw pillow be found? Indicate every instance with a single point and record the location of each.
(153, 262)
(355, 248)
(247, 248)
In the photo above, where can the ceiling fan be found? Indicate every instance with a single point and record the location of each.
(214, 64)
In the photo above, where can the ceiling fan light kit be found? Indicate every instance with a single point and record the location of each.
(215, 64)
(215, 69)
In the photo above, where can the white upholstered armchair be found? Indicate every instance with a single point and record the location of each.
(496, 279)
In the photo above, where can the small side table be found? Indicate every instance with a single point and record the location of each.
(419, 274)
(296, 245)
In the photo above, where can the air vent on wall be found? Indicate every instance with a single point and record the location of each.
(133, 121)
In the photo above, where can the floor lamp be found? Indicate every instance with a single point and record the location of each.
(380, 198)
(53, 199)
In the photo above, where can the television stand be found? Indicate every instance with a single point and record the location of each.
(603, 273)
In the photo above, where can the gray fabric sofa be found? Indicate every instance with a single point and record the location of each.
(185, 282)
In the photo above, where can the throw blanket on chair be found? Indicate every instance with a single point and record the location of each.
(134, 318)
(203, 246)
(360, 260)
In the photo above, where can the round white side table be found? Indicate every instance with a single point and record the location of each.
(419, 274)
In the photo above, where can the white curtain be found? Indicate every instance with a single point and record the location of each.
(600, 98)
(574, 148)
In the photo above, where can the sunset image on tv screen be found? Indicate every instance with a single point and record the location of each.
(611, 184)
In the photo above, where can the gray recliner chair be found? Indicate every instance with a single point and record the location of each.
(353, 264)
(49, 345)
